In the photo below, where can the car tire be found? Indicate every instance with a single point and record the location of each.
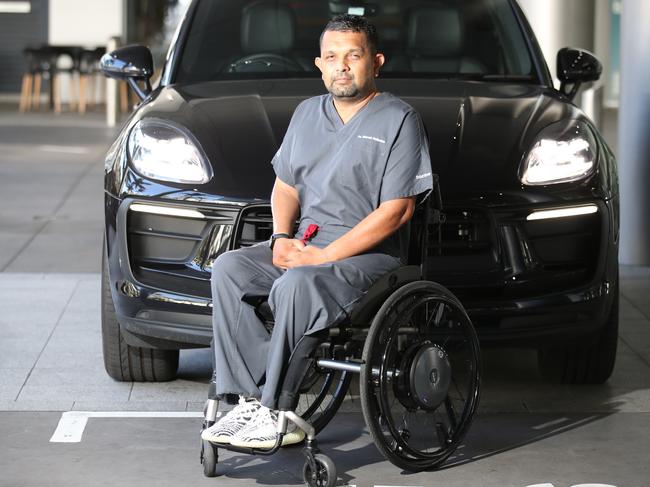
(123, 362)
(585, 363)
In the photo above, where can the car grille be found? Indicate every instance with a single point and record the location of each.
(175, 253)
(483, 254)
(466, 244)
(254, 224)
(478, 253)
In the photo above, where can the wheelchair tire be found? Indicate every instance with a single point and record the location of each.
(420, 382)
(208, 459)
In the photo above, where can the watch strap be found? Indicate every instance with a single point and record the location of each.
(276, 236)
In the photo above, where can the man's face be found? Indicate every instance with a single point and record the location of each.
(347, 64)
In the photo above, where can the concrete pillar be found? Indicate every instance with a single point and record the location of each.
(562, 23)
(634, 127)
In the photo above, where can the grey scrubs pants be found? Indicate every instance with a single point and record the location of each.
(248, 360)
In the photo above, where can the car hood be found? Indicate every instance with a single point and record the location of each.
(479, 132)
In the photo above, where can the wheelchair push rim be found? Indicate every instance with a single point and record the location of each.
(421, 374)
(322, 392)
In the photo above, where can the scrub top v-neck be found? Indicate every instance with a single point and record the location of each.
(344, 171)
(335, 119)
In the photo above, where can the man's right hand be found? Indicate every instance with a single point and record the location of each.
(283, 249)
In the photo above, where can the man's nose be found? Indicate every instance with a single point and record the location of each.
(342, 66)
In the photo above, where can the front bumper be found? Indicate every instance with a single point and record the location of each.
(521, 281)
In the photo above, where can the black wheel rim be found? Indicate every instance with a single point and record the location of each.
(411, 435)
(319, 404)
(322, 475)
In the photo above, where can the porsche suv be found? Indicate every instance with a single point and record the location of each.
(530, 189)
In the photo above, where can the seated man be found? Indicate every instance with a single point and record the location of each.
(351, 165)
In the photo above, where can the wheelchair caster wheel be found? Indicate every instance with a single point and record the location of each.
(323, 476)
(209, 459)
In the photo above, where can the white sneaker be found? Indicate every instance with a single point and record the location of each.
(262, 432)
(235, 420)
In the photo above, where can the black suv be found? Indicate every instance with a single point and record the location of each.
(530, 189)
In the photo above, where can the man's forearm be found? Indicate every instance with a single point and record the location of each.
(372, 230)
(285, 206)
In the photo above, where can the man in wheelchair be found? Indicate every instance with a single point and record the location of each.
(351, 166)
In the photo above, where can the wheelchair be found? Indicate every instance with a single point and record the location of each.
(417, 356)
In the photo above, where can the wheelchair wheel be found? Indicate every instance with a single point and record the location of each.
(208, 459)
(420, 381)
(325, 474)
(322, 392)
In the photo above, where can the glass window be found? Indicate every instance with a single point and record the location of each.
(474, 39)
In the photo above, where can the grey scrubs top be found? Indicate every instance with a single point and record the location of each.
(343, 172)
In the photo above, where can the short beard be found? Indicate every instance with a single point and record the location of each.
(349, 91)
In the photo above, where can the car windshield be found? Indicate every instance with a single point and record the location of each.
(474, 39)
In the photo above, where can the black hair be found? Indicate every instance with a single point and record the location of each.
(353, 23)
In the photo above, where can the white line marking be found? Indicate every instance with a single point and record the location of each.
(15, 7)
(550, 423)
(68, 149)
(72, 423)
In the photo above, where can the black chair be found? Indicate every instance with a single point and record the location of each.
(267, 40)
(65, 60)
(435, 43)
(38, 60)
(417, 355)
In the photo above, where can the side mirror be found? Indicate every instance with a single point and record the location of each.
(130, 63)
(574, 67)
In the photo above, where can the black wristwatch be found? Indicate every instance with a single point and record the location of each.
(275, 237)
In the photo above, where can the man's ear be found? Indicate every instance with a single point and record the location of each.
(318, 62)
(379, 62)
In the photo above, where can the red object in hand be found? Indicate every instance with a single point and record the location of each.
(310, 233)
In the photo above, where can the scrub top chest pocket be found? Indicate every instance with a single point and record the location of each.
(361, 164)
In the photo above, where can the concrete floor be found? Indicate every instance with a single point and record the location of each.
(528, 432)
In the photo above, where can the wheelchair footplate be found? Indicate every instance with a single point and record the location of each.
(318, 470)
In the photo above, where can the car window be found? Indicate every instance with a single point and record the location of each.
(231, 39)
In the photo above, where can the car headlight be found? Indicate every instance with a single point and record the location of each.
(562, 152)
(161, 150)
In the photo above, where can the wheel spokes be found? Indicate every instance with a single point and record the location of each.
(447, 331)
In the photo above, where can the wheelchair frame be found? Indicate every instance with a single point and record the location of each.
(419, 378)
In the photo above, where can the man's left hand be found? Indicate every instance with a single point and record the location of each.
(310, 255)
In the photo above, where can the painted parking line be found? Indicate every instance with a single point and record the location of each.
(72, 423)
(546, 425)
(65, 149)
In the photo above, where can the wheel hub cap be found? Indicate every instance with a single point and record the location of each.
(430, 376)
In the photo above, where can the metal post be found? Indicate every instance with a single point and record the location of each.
(634, 126)
(112, 104)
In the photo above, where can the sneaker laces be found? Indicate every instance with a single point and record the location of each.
(264, 417)
(245, 408)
